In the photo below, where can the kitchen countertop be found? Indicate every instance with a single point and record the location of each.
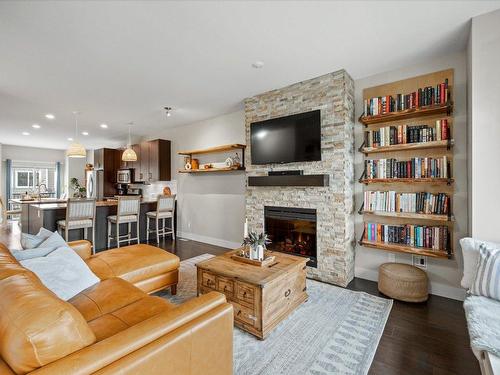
(38, 201)
(103, 203)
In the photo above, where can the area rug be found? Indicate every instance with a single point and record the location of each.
(336, 331)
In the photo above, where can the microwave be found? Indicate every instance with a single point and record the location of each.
(125, 176)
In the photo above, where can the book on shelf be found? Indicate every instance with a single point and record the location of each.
(403, 134)
(413, 168)
(420, 202)
(430, 95)
(423, 236)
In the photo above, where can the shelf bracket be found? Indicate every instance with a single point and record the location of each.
(448, 144)
(360, 149)
(362, 177)
(361, 209)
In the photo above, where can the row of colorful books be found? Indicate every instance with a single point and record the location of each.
(413, 168)
(402, 134)
(425, 96)
(423, 236)
(421, 202)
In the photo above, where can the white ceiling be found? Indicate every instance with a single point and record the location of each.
(117, 62)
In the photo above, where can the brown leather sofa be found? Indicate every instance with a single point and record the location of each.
(114, 327)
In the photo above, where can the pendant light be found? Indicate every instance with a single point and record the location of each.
(76, 150)
(129, 154)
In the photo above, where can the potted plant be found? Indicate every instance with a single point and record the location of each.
(257, 243)
(78, 190)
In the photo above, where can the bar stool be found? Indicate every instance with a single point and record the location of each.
(165, 208)
(127, 213)
(80, 214)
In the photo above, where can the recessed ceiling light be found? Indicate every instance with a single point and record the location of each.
(50, 116)
(36, 126)
(70, 139)
(104, 126)
(26, 133)
(258, 64)
(85, 133)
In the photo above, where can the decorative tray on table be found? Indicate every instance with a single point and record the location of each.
(243, 256)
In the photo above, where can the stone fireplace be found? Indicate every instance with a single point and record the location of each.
(310, 221)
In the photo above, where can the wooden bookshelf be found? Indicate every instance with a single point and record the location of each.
(409, 215)
(430, 110)
(396, 248)
(446, 181)
(409, 146)
(417, 116)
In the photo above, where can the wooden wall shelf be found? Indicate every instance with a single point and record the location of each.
(211, 150)
(446, 181)
(212, 170)
(409, 146)
(430, 110)
(410, 215)
(395, 248)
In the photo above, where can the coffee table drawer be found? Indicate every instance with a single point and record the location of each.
(208, 280)
(245, 293)
(244, 314)
(225, 286)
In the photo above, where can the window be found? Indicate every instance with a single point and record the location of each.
(24, 179)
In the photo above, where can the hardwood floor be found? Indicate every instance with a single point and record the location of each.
(419, 339)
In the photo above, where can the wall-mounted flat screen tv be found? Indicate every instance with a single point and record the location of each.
(287, 139)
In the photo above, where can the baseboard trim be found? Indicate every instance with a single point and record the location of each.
(209, 240)
(435, 288)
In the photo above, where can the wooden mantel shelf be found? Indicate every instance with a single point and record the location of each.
(211, 150)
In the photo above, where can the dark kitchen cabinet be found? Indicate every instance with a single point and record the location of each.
(153, 161)
(109, 161)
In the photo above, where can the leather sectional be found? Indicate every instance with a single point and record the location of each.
(114, 327)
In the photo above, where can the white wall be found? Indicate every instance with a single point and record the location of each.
(444, 274)
(211, 207)
(484, 97)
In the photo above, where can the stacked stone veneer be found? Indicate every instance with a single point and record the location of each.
(333, 94)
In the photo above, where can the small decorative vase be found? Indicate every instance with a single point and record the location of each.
(260, 252)
(254, 252)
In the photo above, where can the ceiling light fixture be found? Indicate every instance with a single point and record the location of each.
(169, 111)
(50, 116)
(76, 150)
(129, 154)
(104, 126)
(70, 139)
(258, 64)
(26, 133)
(36, 126)
(85, 133)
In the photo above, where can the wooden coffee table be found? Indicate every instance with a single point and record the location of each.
(261, 296)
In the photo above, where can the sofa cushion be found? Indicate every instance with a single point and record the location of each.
(133, 263)
(470, 251)
(8, 264)
(483, 321)
(110, 324)
(487, 280)
(105, 297)
(36, 327)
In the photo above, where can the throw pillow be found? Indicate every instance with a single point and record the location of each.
(63, 272)
(470, 251)
(30, 241)
(54, 240)
(31, 253)
(487, 280)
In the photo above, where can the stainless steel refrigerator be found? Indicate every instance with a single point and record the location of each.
(95, 184)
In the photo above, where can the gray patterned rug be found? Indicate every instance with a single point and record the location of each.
(336, 331)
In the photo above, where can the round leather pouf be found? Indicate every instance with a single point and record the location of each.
(403, 282)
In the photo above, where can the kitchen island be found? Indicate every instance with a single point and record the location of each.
(47, 214)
